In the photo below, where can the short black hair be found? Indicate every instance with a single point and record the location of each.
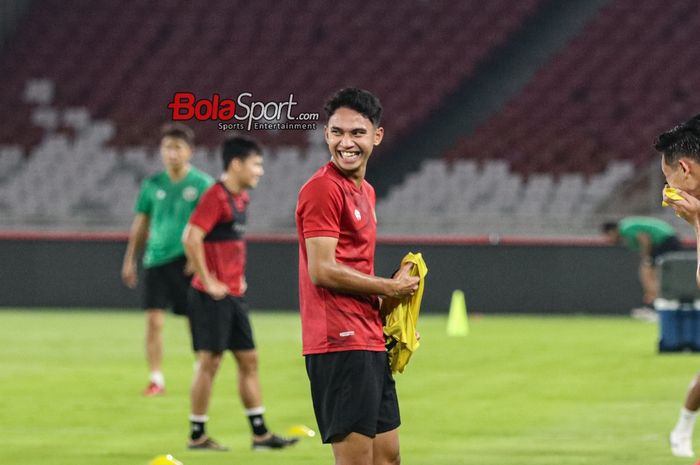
(609, 226)
(239, 147)
(178, 131)
(360, 100)
(683, 140)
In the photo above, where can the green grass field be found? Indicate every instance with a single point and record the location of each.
(516, 391)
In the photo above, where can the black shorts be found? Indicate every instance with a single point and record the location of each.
(672, 244)
(218, 325)
(166, 285)
(352, 392)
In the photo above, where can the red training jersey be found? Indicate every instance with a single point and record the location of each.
(331, 205)
(222, 215)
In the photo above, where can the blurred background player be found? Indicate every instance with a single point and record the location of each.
(218, 311)
(680, 154)
(163, 207)
(353, 392)
(650, 237)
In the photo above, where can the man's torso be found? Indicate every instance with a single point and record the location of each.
(168, 206)
(222, 215)
(333, 206)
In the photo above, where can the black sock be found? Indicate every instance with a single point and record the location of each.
(257, 424)
(197, 429)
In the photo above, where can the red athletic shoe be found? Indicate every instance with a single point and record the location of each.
(154, 389)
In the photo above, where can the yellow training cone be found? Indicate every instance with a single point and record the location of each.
(164, 460)
(301, 431)
(457, 322)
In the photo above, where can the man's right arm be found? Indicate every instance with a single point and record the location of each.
(137, 239)
(193, 241)
(326, 272)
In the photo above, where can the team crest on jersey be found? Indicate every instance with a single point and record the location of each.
(189, 193)
(160, 194)
(358, 216)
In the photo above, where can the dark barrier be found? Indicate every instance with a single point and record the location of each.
(514, 276)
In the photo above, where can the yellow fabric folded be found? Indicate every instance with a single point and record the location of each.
(402, 317)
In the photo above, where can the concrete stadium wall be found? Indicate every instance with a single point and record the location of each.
(513, 276)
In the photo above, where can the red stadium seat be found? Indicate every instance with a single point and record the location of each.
(109, 58)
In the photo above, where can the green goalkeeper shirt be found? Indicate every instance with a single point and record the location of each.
(657, 230)
(169, 205)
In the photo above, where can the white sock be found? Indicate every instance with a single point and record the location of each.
(158, 378)
(254, 411)
(686, 421)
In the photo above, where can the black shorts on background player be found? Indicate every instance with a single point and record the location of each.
(219, 325)
(672, 244)
(352, 392)
(166, 285)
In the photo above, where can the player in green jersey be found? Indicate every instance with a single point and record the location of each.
(163, 208)
(650, 237)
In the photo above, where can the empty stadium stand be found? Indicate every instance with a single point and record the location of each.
(125, 63)
(603, 98)
(86, 86)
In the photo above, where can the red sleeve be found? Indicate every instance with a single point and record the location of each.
(208, 211)
(320, 205)
(372, 195)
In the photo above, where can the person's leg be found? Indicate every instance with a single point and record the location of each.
(155, 319)
(156, 301)
(353, 449)
(209, 363)
(647, 277)
(386, 442)
(242, 345)
(692, 400)
(250, 392)
(682, 434)
(200, 394)
(385, 447)
(206, 325)
(346, 392)
(251, 397)
(248, 379)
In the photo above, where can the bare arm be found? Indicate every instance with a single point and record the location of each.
(326, 272)
(193, 241)
(137, 239)
(647, 273)
(644, 246)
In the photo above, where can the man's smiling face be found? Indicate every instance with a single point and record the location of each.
(351, 137)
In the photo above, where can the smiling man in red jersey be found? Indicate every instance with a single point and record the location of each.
(353, 392)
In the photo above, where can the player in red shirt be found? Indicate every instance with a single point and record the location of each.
(352, 389)
(214, 244)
